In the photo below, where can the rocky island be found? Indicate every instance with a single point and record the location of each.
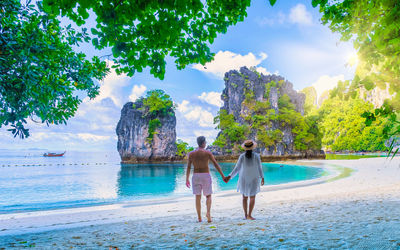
(147, 130)
(267, 109)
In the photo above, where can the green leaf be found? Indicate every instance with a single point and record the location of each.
(94, 31)
(272, 2)
(95, 42)
(314, 3)
(395, 153)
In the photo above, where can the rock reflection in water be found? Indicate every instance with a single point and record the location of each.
(148, 179)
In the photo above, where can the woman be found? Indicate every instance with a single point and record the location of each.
(250, 172)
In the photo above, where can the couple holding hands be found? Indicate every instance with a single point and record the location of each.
(248, 167)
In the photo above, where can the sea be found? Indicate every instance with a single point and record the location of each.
(31, 182)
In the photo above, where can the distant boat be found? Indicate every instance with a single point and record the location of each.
(53, 154)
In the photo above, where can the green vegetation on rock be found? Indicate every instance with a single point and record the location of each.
(231, 131)
(183, 148)
(259, 118)
(341, 122)
(156, 103)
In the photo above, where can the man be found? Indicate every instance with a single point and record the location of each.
(201, 179)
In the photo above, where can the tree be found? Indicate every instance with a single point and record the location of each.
(343, 126)
(39, 71)
(373, 27)
(157, 102)
(183, 147)
(310, 104)
(143, 33)
(38, 62)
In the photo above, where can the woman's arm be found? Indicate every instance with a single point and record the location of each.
(237, 167)
(260, 170)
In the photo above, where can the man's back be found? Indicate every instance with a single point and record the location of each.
(200, 158)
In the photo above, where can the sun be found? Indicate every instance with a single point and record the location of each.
(352, 59)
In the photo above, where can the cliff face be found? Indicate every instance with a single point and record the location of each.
(376, 96)
(245, 91)
(236, 82)
(133, 132)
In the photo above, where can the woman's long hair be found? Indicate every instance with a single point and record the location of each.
(249, 153)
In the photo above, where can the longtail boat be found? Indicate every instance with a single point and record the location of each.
(53, 154)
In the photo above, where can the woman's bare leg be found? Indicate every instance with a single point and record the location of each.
(198, 207)
(251, 206)
(245, 206)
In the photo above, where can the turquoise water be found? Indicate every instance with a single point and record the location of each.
(31, 182)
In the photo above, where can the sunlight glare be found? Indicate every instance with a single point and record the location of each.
(352, 59)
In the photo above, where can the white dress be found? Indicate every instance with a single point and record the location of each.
(250, 172)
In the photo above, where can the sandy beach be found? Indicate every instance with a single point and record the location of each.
(357, 205)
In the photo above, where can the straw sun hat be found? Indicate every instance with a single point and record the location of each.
(249, 145)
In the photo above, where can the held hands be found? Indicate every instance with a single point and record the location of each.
(227, 178)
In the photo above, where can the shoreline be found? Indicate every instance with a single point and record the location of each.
(372, 188)
(329, 172)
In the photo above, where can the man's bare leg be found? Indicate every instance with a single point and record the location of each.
(198, 207)
(208, 202)
(251, 206)
(245, 206)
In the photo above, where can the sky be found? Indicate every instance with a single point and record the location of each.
(287, 39)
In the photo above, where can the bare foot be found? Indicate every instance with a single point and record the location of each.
(249, 217)
(200, 220)
(208, 218)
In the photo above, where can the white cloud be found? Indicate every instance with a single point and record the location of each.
(195, 113)
(92, 137)
(209, 134)
(326, 82)
(263, 70)
(227, 60)
(299, 15)
(137, 91)
(203, 117)
(111, 87)
(280, 18)
(213, 98)
(63, 137)
(195, 120)
(183, 106)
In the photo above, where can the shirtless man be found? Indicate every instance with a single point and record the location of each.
(201, 179)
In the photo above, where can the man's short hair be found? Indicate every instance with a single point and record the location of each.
(200, 140)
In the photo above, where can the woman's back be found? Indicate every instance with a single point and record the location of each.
(250, 168)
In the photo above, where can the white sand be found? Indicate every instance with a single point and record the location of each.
(358, 211)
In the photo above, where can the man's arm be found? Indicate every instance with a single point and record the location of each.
(189, 164)
(216, 165)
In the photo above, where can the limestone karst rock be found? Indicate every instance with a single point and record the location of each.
(133, 131)
(244, 90)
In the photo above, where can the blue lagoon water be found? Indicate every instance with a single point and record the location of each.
(29, 181)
